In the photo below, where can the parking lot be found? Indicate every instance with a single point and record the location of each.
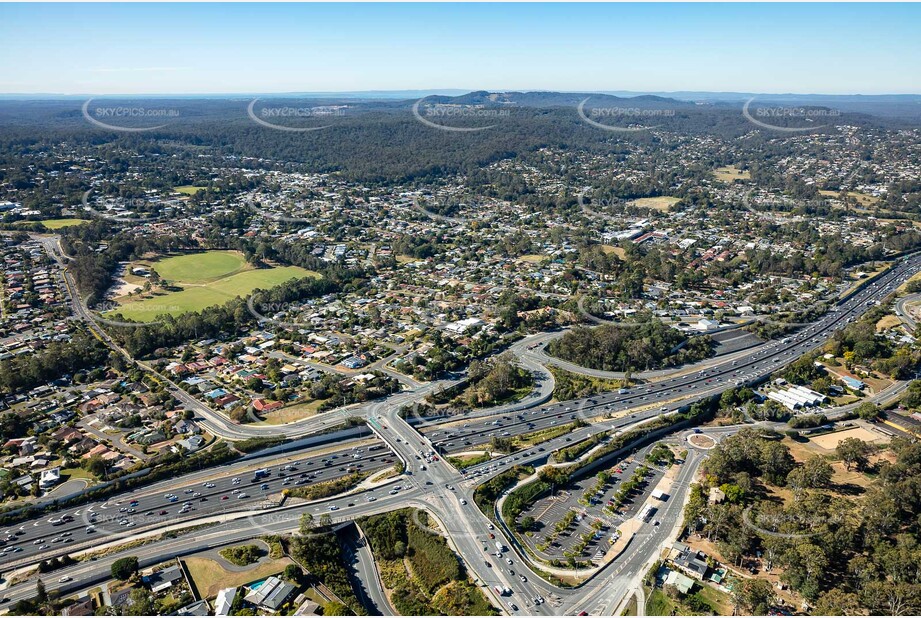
(574, 524)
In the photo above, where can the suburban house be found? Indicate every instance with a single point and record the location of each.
(691, 562)
(271, 594)
(161, 580)
(266, 405)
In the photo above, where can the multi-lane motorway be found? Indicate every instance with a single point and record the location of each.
(430, 483)
(217, 491)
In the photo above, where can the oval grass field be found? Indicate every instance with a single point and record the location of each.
(200, 267)
(209, 278)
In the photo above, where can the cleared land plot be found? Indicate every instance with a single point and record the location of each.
(291, 414)
(534, 258)
(730, 173)
(661, 203)
(56, 224)
(802, 450)
(887, 322)
(188, 189)
(862, 198)
(618, 251)
(209, 576)
(830, 441)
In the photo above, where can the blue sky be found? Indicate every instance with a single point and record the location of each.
(258, 48)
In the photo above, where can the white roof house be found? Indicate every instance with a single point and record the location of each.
(224, 601)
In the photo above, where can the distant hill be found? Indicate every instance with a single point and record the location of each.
(539, 99)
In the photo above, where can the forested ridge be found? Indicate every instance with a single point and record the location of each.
(373, 141)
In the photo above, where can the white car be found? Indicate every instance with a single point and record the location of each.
(64, 579)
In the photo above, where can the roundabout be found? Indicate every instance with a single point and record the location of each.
(701, 441)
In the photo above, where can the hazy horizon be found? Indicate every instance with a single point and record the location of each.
(398, 94)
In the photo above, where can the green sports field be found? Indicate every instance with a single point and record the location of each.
(208, 279)
(200, 267)
(56, 224)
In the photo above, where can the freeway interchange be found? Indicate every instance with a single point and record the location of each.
(210, 500)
